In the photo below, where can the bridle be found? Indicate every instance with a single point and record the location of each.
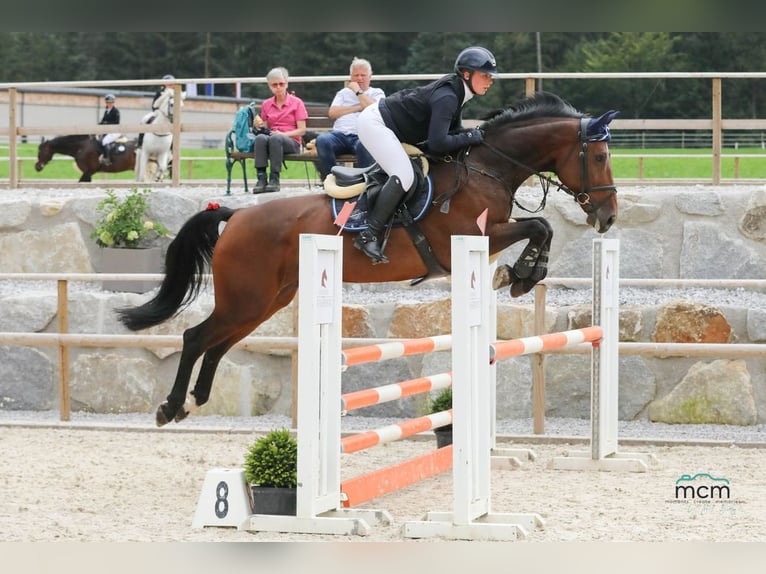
(582, 197)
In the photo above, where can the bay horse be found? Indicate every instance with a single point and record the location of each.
(86, 149)
(255, 258)
(155, 151)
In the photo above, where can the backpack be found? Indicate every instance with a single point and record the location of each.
(244, 139)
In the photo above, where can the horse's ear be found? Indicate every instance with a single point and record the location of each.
(42, 139)
(598, 126)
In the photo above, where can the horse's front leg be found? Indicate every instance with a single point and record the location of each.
(532, 265)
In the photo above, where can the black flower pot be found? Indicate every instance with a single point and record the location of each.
(443, 436)
(273, 500)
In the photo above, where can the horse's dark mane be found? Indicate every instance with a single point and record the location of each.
(539, 105)
(70, 138)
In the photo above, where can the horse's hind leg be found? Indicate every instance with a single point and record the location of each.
(193, 347)
(201, 392)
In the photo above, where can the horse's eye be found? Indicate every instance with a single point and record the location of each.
(600, 157)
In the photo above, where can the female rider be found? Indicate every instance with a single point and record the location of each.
(428, 116)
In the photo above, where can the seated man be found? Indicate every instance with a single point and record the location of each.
(111, 116)
(344, 110)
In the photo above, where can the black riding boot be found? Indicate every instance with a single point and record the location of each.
(371, 239)
(106, 158)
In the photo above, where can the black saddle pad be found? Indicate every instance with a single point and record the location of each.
(417, 205)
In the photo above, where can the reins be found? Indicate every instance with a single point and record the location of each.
(582, 197)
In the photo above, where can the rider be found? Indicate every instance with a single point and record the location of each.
(111, 116)
(149, 116)
(427, 116)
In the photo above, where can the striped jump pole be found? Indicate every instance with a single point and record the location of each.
(369, 397)
(536, 344)
(389, 479)
(385, 351)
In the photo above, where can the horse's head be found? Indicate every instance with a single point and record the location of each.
(548, 135)
(44, 154)
(587, 174)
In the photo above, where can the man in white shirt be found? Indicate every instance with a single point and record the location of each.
(344, 110)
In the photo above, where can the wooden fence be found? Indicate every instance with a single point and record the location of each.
(64, 340)
(15, 129)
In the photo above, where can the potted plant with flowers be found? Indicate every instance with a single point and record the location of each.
(271, 470)
(128, 239)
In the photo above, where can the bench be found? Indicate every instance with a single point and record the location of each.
(316, 122)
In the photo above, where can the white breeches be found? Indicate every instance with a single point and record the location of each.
(384, 146)
(109, 138)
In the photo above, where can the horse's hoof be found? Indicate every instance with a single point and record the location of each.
(521, 287)
(162, 417)
(181, 415)
(503, 276)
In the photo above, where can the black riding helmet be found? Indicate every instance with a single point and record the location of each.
(477, 59)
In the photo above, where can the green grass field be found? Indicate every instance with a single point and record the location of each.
(214, 168)
(63, 167)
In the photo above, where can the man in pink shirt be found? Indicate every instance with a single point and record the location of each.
(278, 130)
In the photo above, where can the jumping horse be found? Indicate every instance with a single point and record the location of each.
(155, 151)
(255, 258)
(86, 149)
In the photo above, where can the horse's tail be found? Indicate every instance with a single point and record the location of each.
(188, 258)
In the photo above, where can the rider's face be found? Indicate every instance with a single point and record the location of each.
(480, 82)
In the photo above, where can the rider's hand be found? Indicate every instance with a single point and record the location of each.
(475, 136)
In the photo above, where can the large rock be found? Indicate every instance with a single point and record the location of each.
(708, 252)
(58, 249)
(719, 392)
(683, 322)
(109, 382)
(752, 224)
(26, 379)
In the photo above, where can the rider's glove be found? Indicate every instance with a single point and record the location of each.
(475, 136)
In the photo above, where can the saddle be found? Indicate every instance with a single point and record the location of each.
(362, 185)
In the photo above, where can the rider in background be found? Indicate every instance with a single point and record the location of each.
(149, 116)
(427, 116)
(111, 116)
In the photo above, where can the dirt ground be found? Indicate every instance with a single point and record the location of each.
(114, 485)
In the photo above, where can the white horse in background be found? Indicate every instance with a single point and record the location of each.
(154, 155)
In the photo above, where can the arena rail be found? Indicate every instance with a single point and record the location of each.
(17, 130)
(64, 340)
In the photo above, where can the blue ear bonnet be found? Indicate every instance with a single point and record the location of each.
(597, 129)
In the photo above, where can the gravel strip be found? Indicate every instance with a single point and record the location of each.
(556, 429)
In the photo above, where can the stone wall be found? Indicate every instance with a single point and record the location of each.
(698, 232)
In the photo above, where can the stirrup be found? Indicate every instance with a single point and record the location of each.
(362, 245)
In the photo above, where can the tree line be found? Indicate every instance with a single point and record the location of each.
(69, 56)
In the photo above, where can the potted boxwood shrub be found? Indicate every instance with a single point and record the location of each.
(271, 470)
(442, 402)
